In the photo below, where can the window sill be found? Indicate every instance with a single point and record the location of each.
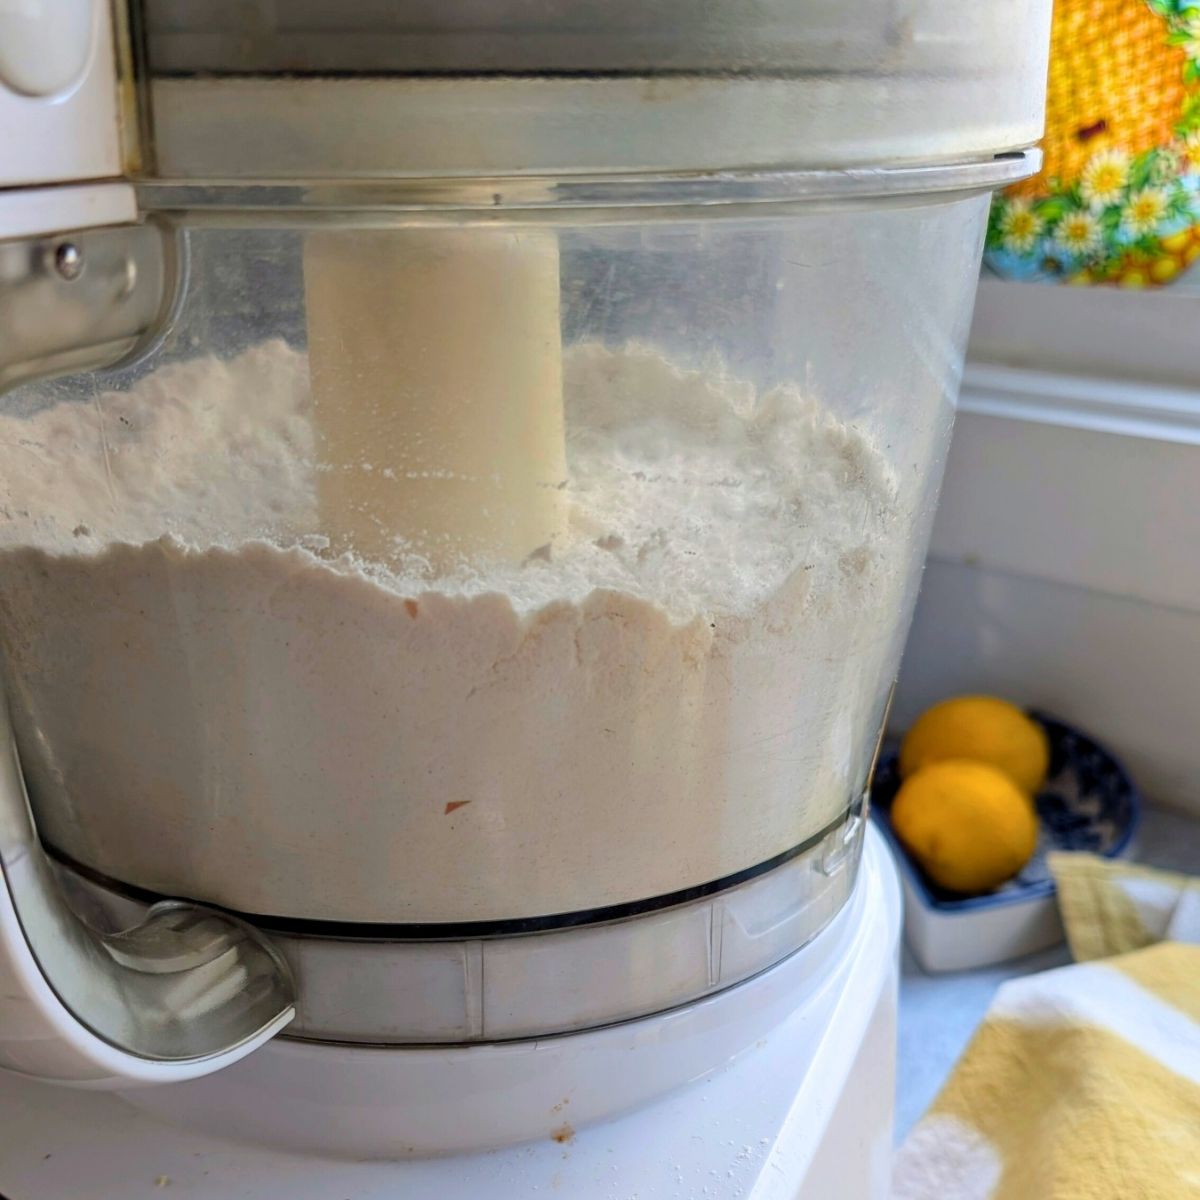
(1073, 401)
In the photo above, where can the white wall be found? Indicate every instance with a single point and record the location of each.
(1065, 573)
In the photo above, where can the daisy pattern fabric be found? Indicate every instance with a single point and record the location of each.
(1082, 1083)
(1118, 199)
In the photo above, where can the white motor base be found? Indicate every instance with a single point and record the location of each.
(805, 1110)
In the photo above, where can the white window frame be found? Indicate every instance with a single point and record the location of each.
(1098, 358)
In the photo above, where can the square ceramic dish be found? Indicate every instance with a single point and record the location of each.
(1088, 802)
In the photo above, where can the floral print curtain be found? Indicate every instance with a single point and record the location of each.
(1118, 200)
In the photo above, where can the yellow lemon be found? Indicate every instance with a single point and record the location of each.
(967, 824)
(983, 728)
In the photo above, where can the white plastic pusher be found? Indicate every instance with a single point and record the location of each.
(436, 365)
(184, 993)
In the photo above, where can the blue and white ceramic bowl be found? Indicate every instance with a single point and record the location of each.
(1087, 803)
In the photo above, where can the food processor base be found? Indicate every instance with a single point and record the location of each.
(806, 1111)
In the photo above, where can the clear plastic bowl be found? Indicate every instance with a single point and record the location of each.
(440, 570)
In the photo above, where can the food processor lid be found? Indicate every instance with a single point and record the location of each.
(320, 90)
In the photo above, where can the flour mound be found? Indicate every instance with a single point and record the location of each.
(206, 451)
(686, 488)
(211, 704)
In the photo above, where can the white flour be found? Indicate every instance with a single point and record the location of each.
(684, 688)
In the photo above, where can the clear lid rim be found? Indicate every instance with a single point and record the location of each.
(498, 197)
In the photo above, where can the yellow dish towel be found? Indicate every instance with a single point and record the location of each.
(1082, 1083)
(1113, 907)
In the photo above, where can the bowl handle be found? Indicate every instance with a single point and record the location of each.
(184, 993)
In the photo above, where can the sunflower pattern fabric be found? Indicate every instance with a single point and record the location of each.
(1082, 1083)
(1118, 199)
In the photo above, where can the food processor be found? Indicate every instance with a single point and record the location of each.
(464, 477)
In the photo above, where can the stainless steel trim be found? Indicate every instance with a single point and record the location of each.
(450, 992)
(494, 198)
(184, 984)
(381, 37)
(80, 300)
(390, 126)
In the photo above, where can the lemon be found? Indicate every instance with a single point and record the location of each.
(983, 728)
(966, 823)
